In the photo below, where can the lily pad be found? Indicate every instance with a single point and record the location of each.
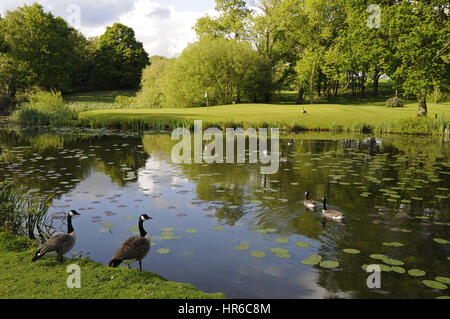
(329, 264)
(301, 244)
(393, 262)
(393, 244)
(134, 230)
(416, 272)
(191, 231)
(282, 240)
(242, 246)
(434, 284)
(258, 254)
(163, 251)
(280, 252)
(399, 270)
(107, 226)
(129, 217)
(167, 229)
(351, 251)
(312, 260)
(378, 256)
(217, 227)
(441, 241)
(444, 280)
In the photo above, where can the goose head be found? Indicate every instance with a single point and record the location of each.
(145, 217)
(73, 213)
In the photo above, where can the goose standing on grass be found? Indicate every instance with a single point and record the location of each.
(331, 213)
(134, 248)
(60, 244)
(309, 203)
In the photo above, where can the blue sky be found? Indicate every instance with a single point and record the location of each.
(164, 26)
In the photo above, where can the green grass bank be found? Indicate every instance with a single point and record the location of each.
(359, 117)
(46, 279)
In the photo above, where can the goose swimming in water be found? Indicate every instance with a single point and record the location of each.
(331, 213)
(309, 203)
(60, 244)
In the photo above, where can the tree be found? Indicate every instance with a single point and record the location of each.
(41, 46)
(217, 66)
(419, 32)
(153, 80)
(119, 60)
(230, 24)
(321, 21)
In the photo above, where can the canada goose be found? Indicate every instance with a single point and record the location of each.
(331, 213)
(60, 244)
(283, 158)
(309, 203)
(303, 110)
(291, 143)
(134, 248)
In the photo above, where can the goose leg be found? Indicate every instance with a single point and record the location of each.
(140, 265)
(129, 266)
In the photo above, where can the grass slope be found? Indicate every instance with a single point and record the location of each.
(345, 117)
(46, 278)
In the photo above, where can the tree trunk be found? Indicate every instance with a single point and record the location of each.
(238, 95)
(376, 79)
(301, 92)
(311, 85)
(422, 102)
(363, 83)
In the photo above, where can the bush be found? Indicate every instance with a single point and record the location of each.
(123, 101)
(153, 80)
(394, 102)
(44, 108)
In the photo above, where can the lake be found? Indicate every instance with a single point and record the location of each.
(228, 228)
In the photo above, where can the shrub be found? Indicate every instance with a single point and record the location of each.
(394, 102)
(44, 108)
(123, 101)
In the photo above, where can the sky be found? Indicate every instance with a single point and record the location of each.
(163, 26)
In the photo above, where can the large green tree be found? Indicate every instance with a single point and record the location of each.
(41, 46)
(231, 23)
(218, 67)
(119, 60)
(419, 31)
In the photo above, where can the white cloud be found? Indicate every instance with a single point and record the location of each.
(164, 29)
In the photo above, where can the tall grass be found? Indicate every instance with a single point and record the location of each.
(24, 214)
(44, 108)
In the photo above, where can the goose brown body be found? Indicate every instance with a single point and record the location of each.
(331, 213)
(134, 248)
(60, 244)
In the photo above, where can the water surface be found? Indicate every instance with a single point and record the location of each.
(392, 189)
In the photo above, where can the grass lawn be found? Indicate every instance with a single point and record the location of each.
(46, 278)
(318, 116)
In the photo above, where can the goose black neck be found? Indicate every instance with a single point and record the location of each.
(69, 224)
(307, 196)
(141, 228)
(325, 204)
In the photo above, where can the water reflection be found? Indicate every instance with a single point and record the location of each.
(393, 189)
